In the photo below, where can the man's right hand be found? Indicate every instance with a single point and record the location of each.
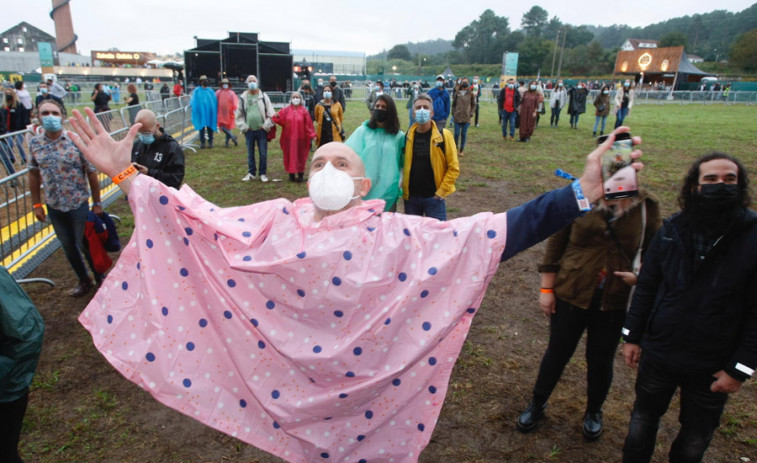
(631, 354)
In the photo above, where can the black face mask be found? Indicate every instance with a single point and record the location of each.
(333, 84)
(464, 85)
(305, 85)
(714, 208)
(381, 115)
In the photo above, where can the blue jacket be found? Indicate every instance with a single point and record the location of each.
(21, 330)
(440, 96)
(703, 320)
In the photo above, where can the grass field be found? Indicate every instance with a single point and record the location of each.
(82, 410)
(673, 135)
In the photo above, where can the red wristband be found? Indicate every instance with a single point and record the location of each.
(547, 290)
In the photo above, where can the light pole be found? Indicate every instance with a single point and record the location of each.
(554, 54)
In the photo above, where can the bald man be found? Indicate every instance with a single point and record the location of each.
(156, 153)
(313, 329)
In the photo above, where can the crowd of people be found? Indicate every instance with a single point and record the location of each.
(682, 326)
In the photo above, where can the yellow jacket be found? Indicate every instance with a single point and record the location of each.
(444, 163)
(336, 121)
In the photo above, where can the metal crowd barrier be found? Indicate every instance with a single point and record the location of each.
(26, 242)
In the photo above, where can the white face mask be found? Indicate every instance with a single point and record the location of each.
(332, 189)
(296, 101)
(225, 86)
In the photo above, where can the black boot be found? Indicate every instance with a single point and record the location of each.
(291, 178)
(301, 177)
(592, 427)
(530, 416)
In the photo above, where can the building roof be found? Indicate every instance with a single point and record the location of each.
(635, 43)
(655, 61)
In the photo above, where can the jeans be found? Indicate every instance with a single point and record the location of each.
(699, 415)
(508, 117)
(69, 228)
(428, 207)
(460, 140)
(566, 327)
(554, 118)
(622, 113)
(477, 110)
(261, 138)
(18, 140)
(10, 428)
(229, 135)
(6, 156)
(202, 136)
(596, 123)
(574, 119)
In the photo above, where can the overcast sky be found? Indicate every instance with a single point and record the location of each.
(167, 26)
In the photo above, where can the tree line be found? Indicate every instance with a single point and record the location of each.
(545, 43)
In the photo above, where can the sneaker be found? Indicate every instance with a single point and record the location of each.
(236, 143)
(247, 177)
(263, 178)
(512, 138)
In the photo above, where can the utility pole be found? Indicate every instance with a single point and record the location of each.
(562, 51)
(554, 54)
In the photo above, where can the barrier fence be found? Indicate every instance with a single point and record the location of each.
(26, 242)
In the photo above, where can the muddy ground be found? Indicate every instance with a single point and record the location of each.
(81, 409)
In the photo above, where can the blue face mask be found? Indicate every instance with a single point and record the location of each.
(147, 139)
(605, 92)
(252, 85)
(52, 123)
(422, 116)
(439, 83)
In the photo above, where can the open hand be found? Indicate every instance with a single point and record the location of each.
(109, 156)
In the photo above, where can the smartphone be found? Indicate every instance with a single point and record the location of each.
(618, 176)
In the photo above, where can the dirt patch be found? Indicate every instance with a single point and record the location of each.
(81, 409)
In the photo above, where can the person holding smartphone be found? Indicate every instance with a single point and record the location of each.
(586, 279)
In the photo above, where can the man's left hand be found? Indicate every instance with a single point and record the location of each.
(97, 209)
(725, 383)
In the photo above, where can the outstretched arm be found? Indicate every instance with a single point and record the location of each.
(109, 156)
(539, 218)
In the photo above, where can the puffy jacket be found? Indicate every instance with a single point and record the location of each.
(701, 321)
(580, 251)
(21, 331)
(444, 161)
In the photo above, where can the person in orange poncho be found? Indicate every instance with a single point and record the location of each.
(227, 106)
(296, 136)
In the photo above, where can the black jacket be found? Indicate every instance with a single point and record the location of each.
(501, 98)
(698, 321)
(163, 158)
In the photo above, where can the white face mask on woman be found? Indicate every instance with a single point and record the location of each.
(332, 189)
